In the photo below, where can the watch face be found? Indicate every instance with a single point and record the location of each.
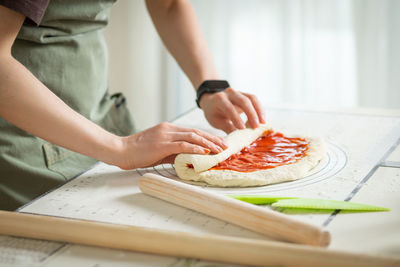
(216, 84)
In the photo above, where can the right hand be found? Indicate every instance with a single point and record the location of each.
(223, 109)
(161, 144)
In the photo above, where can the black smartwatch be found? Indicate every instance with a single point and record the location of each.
(211, 86)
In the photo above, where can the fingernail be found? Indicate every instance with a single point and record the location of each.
(263, 118)
(206, 151)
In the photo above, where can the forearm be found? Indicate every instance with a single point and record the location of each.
(178, 27)
(31, 106)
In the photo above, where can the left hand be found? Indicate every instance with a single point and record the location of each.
(223, 109)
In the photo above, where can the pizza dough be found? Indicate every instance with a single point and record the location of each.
(196, 167)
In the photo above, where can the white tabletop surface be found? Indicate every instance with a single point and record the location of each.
(362, 165)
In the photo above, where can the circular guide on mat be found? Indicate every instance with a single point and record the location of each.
(334, 161)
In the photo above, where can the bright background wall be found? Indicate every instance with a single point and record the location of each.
(340, 53)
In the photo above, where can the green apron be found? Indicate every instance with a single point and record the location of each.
(68, 53)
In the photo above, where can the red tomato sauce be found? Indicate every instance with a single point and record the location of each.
(270, 150)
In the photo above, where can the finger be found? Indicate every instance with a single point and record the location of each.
(232, 114)
(219, 141)
(184, 147)
(194, 138)
(246, 105)
(226, 126)
(257, 105)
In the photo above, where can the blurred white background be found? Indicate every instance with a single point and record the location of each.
(331, 53)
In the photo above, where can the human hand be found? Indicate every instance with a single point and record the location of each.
(161, 143)
(223, 109)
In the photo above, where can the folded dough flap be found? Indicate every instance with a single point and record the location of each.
(236, 141)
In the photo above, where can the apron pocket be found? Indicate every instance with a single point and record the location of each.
(66, 162)
(115, 118)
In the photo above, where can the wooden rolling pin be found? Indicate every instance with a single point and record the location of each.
(258, 219)
(171, 243)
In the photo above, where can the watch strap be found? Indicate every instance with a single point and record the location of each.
(210, 86)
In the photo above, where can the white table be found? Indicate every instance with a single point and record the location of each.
(362, 165)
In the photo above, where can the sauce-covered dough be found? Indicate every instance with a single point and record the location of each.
(270, 150)
(254, 157)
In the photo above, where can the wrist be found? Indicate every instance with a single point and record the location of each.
(210, 87)
(111, 149)
(204, 99)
